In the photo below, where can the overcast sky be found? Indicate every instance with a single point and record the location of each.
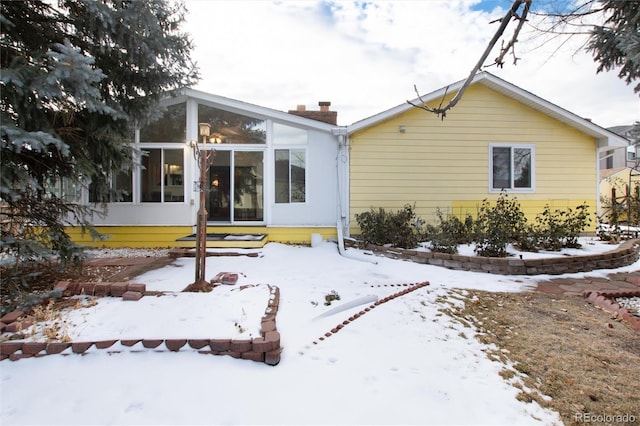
(365, 57)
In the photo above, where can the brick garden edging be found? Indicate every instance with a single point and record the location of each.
(337, 328)
(625, 254)
(265, 348)
(605, 300)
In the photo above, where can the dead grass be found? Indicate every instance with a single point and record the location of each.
(562, 347)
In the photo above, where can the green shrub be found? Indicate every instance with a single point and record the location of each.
(575, 223)
(497, 226)
(562, 228)
(550, 227)
(450, 232)
(400, 229)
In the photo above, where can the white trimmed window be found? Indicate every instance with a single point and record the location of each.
(290, 175)
(290, 163)
(511, 168)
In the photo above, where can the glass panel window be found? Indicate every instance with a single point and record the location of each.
(287, 135)
(232, 128)
(173, 175)
(290, 176)
(511, 168)
(121, 182)
(501, 168)
(522, 168)
(162, 176)
(171, 127)
(120, 189)
(65, 189)
(248, 183)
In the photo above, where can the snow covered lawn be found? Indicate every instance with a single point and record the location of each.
(402, 363)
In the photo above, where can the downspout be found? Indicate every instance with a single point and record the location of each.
(343, 157)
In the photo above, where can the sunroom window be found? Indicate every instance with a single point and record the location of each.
(231, 128)
(511, 168)
(290, 176)
(119, 189)
(162, 176)
(171, 127)
(66, 189)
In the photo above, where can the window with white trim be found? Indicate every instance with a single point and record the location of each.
(161, 179)
(290, 175)
(120, 189)
(511, 167)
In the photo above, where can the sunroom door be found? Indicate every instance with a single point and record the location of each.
(219, 195)
(236, 180)
(248, 186)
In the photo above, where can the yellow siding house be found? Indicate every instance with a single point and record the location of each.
(279, 176)
(499, 137)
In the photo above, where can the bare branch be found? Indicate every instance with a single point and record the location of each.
(504, 22)
(510, 45)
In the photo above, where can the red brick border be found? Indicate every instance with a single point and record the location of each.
(265, 348)
(410, 288)
(606, 300)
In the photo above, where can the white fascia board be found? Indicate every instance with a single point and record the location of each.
(241, 107)
(604, 137)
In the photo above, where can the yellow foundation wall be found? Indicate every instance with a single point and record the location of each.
(444, 164)
(165, 236)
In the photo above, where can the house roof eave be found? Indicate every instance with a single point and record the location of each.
(242, 107)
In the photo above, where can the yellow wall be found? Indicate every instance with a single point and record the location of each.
(445, 163)
(165, 236)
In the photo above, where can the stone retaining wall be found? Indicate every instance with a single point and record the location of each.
(625, 254)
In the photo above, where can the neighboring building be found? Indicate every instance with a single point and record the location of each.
(620, 157)
(284, 176)
(619, 185)
(275, 177)
(498, 137)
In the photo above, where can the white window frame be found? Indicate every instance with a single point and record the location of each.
(306, 174)
(137, 181)
(512, 189)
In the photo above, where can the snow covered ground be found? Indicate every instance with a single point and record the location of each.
(402, 363)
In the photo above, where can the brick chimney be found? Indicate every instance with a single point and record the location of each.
(324, 115)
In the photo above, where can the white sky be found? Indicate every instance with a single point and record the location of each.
(366, 58)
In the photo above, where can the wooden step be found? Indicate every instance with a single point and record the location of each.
(224, 240)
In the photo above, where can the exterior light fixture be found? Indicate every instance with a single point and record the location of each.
(204, 129)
